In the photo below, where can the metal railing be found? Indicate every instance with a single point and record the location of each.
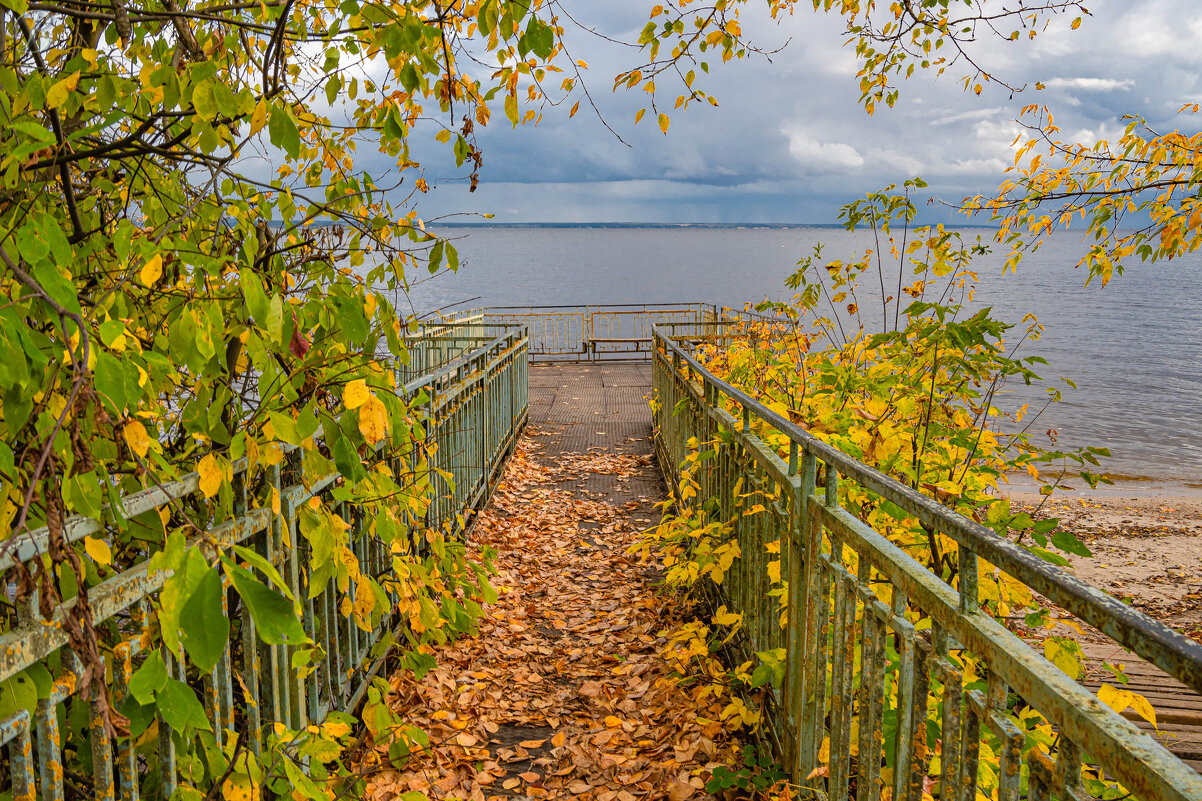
(475, 406)
(853, 663)
(601, 332)
(432, 345)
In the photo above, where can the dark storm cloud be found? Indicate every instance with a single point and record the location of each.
(790, 143)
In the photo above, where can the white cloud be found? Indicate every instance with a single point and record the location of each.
(821, 156)
(1089, 84)
(896, 162)
(987, 168)
(975, 114)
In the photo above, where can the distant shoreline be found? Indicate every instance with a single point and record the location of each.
(761, 226)
(671, 226)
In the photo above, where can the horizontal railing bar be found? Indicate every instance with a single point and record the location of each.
(649, 306)
(445, 371)
(23, 647)
(1168, 649)
(34, 543)
(75, 528)
(1077, 712)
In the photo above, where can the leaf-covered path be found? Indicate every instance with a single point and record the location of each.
(564, 693)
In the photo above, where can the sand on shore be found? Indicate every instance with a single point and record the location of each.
(1147, 547)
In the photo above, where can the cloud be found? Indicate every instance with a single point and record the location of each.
(974, 114)
(817, 156)
(790, 141)
(1089, 84)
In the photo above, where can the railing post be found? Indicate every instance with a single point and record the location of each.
(809, 542)
(791, 549)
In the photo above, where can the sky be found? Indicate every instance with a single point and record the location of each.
(789, 142)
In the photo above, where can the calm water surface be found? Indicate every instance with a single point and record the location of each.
(1132, 348)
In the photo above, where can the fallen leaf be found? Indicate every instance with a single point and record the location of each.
(679, 791)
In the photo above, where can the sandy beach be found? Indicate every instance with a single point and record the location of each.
(1146, 544)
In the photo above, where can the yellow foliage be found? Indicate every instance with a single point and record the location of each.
(210, 475)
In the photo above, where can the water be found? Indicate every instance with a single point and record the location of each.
(1132, 347)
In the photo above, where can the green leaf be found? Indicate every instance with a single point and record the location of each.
(436, 256)
(187, 566)
(149, 679)
(347, 461)
(301, 783)
(110, 382)
(275, 319)
(17, 693)
(202, 100)
(409, 77)
(285, 428)
(1065, 541)
(256, 299)
(180, 708)
(58, 286)
(275, 616)
(265, 567)
(283, 131)
(204, 626)
(487, 19)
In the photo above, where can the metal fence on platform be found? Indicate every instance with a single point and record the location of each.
(476, 403)
(884, 686)
(604, 332)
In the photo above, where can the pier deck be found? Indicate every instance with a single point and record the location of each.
(602, 408)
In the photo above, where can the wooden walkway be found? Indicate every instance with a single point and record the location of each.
(1178, 708)
(604, 408)
(561, 695)
(565, 692)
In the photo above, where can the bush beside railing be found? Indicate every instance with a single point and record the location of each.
(472, 407)
(895, 673)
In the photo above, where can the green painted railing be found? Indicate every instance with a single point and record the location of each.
(476, 405)
(853, 662)
(615, 331)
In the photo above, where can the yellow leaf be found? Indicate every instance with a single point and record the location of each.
(210, 475)
(1116, 699)
(1142, 707)
(1076, 23)
(335, 729)
(724, 618)
(152, 270)
(355, 394)
(365, 602)
(373, 420)
(240, 787)
(258, 118)
(664, 122)
(99, 550)
(136, 437)
(57, 94)
(638, 115)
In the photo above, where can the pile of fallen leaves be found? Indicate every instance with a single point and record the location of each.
(564, 692)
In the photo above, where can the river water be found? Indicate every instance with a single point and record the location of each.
(1132, 348)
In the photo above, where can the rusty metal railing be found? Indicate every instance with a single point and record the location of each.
(853, 662)
(475, 405)
(609, 332)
